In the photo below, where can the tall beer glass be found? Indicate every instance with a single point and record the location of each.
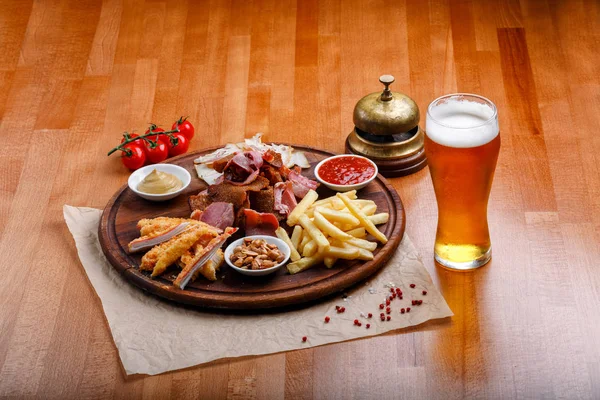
(462, 144)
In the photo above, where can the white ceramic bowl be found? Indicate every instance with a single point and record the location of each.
(283, 247)
(138, 175)
(345, 188)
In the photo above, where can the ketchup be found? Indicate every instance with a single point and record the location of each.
(347, 170)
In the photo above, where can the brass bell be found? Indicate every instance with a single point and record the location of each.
(386, 130)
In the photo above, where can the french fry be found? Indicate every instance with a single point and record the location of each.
(376, 219)
(363, 254)
(314, 232)
(364, 220)
(296, 236)
(309, 249)
(328, 228)
(305, 239)
(362, 243)
(304, 263)
(350, 194)
(379, 219)
(369, 209)
(345, 253)
(363, 202)
(282, 234)
(338, 216)
(329, 261)
(301, 208)
(337, 204)
(357, 232)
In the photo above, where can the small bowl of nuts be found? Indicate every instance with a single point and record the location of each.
(257, 255)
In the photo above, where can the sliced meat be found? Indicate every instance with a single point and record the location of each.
(260, 223)
(301, 184)
(284, 199)
(219, 214)
(243, 168)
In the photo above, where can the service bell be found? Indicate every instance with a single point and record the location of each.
(386, 130)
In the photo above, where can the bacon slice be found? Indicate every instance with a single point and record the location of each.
(301, 184)
(285, 201)
(202, 257)
(260, 223)
(218, 214)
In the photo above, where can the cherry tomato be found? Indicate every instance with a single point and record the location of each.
(185, 127)
(136, 159)
(160, 138)
(181, 147)
(156, 152)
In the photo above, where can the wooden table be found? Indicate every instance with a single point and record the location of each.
(75, 74)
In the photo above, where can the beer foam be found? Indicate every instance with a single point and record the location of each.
(461, 123)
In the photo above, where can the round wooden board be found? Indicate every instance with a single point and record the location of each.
(232, 290)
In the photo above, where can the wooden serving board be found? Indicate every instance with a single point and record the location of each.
(233, 290)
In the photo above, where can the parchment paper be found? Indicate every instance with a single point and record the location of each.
(154, 336)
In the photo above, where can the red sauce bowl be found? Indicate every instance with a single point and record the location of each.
(346, 172)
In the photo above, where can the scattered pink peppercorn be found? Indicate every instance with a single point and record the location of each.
(402, 311)
(388, 318)
(359, 323)
(420, 302)
(355, 322)
(388, 310)
(424, 292)
(368, 326)
(412, 285)
(387, 302)
(392, 290)
(407, 309)
(414, 302)
(370, 315)
(304, 338)
(381, 306)
(327, 319)
(342, 309)
(382, 317)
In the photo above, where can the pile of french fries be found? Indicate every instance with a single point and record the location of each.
(330, 229)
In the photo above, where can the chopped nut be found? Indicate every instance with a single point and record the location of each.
(256, 254)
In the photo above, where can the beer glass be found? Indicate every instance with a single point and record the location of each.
(462, 142)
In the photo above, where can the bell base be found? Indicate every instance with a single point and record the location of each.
(396, 167)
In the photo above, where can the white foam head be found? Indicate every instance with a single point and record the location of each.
(456, 121)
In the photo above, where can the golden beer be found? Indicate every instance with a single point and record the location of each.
(462, 144)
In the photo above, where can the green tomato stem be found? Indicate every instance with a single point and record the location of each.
(145, 137)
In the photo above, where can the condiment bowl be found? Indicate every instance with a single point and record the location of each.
(138, 175)
(283, 247)
(344, 188)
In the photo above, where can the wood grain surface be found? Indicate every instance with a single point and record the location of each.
(232, 290)
(77, 73)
